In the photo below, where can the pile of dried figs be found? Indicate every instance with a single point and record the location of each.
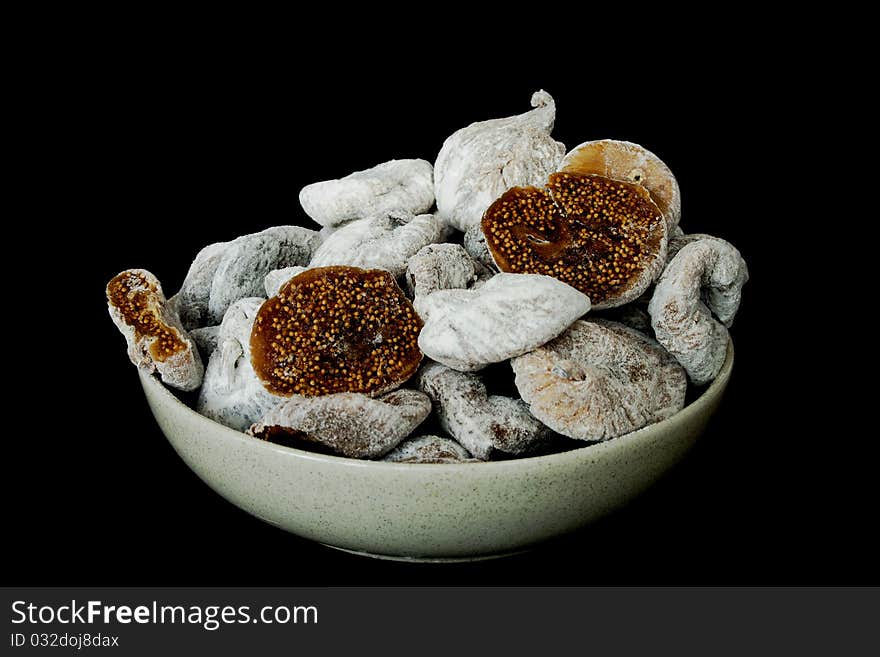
(568, 265)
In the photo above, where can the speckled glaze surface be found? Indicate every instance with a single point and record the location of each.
(428, 512)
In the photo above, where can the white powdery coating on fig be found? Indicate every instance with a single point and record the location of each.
(624, 160)
(192, 298)
(247, 260)
(429, 449)
(599, 380)
(475, 245)
(681, 240)
(480, 162)
(383, 242)
(508, 315)
(278, 277)
(398, 185)
(182, 370)
(206, 339)
(350, 423)
(327, 231)
(479, 422)
(706, 276)
(231, 393)
(438, 267)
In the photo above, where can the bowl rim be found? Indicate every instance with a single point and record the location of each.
(596, 449)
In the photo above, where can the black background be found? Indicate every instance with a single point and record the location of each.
(145, 154)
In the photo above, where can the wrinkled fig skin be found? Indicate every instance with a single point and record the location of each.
(349, 423)
(398, 185)
(706, 276)
(681, 240)
(429, 449)
(479, 162)
(475, 245)
(479, 422)
(231, 393)
(183, 369)
(507, 316)
(226, 264)
(245, 263)
(600, 380)
(383, 242)
(192, 299)
(724, 273)
(278, 277)
(439, 267)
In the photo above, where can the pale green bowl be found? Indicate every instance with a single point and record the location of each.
(429, 512)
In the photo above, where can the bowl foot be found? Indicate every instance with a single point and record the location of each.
(395, 557)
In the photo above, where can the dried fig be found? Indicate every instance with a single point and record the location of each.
(508, 315)
(481, 423)
(192, 298)
(156, 339)
(439, 267)
(231, 393)
(624, 160)
(227, 271)
(605, 237)
(481, 161)
(705, 275)
(475, 245)
(599, 380)
(349, 423)
(336, 329)
(398, 185)
(383, 242)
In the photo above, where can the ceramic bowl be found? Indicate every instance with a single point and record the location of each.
(426, 511)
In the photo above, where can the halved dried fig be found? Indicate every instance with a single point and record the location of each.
(605, 237)
(336, 329)
(155, 336)
(624, 160)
